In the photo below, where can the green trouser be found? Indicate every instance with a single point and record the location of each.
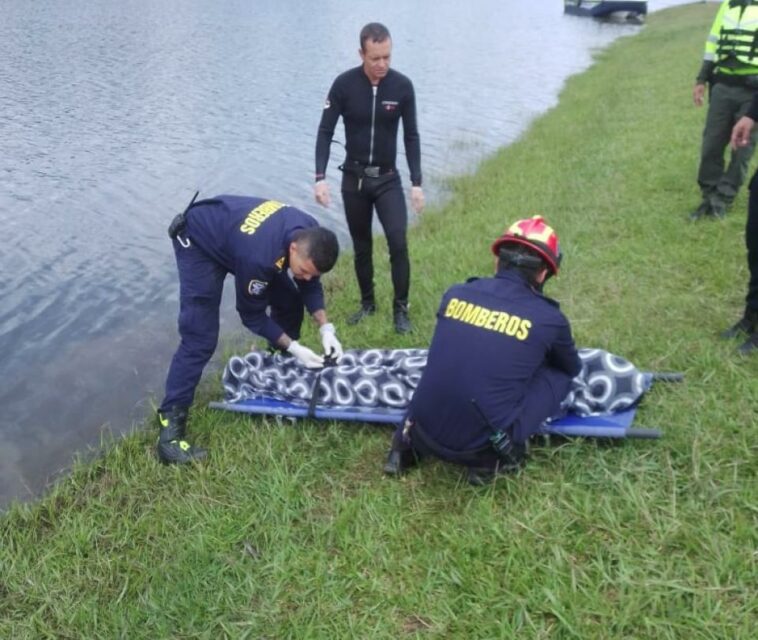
(727, 104)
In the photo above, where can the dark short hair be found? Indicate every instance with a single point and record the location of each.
(374, 31)
(321, 246)
(526, 261)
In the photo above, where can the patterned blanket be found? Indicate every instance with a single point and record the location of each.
(387, 378)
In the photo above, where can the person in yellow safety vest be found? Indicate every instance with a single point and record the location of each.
(730, 67)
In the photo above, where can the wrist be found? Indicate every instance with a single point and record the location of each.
(327, 327)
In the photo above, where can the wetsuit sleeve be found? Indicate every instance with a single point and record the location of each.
(563, 354)
(252, 301)
(411, 137)
(313, 294)
(329, 116)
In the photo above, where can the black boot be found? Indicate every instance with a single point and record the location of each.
(402, 321)
(510, 463)
(367, 309)
(750, 345)
(703, 210)
(399, 461)
(172, 447)
(746, 325)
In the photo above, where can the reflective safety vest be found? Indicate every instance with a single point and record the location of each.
(732, 43)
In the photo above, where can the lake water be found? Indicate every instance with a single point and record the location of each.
(112, 114)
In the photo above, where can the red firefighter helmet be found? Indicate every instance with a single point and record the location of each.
(536, 234)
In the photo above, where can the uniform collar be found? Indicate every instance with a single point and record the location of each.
(514, 276)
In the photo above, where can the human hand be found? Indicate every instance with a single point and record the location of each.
(417, 199)
(332, 346)
(321, 191)
(741, 132)
(305, 356)
(698, 93)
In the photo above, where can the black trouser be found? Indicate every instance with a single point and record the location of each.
(546, 392)
(361, 196)
(751, 241)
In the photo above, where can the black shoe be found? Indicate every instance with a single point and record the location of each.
(365, 311)
(402, 321)
(704, 209)
(398, 462)
(718, 209)
(750, 345)
(482, 476)
(172, 447)
(747, 324)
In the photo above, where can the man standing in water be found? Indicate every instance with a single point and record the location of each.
(372, 98)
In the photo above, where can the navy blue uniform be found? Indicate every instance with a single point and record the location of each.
(371, 116)
(249, 238)
(503, 345)
(751, 229)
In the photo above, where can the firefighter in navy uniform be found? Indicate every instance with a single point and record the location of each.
(500, 363)
(276, 253)
(372, 99)
(730, 67)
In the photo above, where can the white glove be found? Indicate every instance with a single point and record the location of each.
(305, 356)
(332, 346)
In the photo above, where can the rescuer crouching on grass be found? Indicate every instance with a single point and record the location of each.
(500, 363)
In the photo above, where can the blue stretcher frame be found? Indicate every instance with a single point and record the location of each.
(617, 425)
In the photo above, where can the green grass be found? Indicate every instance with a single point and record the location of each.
(290, 531)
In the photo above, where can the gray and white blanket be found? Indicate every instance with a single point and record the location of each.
(386, 379)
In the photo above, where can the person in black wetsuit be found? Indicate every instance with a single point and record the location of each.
(371, 99)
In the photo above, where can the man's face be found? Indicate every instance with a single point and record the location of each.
(376, 59)
(301, 266)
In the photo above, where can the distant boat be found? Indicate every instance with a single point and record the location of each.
(631, 9)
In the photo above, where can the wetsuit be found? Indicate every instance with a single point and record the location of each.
(250, 238)
(502, 358)
(370, 179)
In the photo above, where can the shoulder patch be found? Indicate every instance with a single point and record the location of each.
(256, 287)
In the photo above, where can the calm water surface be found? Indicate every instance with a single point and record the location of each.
(113, 113)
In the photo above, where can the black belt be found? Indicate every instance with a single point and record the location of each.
(366, 170)
(749, 81)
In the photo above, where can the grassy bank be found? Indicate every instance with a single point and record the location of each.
(293, 532)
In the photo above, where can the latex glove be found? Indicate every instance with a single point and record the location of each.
(741, 132)
(332, 346)
(305, 356)
(321, 191)
(417, 199)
